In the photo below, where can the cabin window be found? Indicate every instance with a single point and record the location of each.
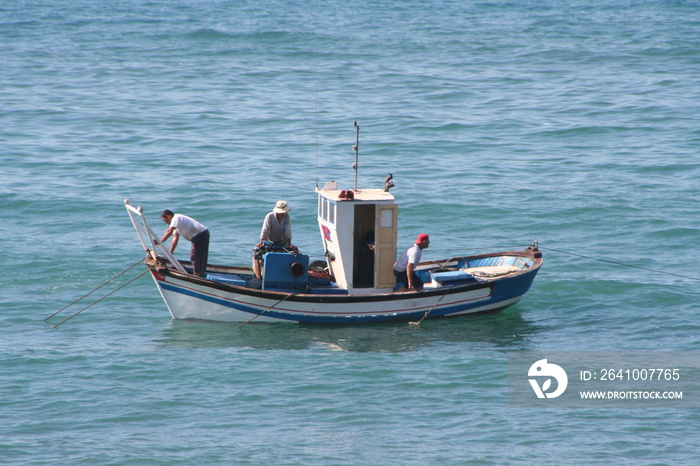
(326, 210)
(386, 219)
(331, 212)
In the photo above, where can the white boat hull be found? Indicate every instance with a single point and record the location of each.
(189, 297)
(354, 286)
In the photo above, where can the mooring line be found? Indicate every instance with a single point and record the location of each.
(263, 312)
(108, 294)
(94, 289)
(622, 264)
(431, 310)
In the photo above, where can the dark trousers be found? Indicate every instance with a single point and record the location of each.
(402, 277)
(199, 253)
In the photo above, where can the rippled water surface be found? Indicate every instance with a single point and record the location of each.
(575, 123)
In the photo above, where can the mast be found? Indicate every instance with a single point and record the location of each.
(356, 149)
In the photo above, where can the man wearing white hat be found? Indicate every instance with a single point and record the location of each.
(276, 229)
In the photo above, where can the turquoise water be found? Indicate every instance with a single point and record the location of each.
(572, 122)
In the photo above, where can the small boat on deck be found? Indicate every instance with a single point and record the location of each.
(354, 284)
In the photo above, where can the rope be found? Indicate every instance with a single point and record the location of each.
(431, 310)
(622, 264)
(108, 294)
(453, 258)
(263, 312)
(94, 289)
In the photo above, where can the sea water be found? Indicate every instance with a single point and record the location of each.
(575, 123)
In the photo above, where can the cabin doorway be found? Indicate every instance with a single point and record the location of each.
(363, 254)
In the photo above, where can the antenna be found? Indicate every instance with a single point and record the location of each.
(316, 117)
(356, 149)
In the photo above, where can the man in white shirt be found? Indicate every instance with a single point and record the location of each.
(192, 231)
(404, 267)
(277, 226)
(276, 229)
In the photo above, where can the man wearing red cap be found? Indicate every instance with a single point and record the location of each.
(404, 267)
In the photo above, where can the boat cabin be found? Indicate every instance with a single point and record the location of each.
(358, 230)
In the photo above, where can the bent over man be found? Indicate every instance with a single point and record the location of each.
(192, 231)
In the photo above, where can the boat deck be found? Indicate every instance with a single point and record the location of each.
(435, 274)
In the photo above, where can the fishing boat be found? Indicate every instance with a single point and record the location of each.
(353, 284)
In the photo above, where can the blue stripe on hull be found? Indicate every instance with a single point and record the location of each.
(503, 290)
